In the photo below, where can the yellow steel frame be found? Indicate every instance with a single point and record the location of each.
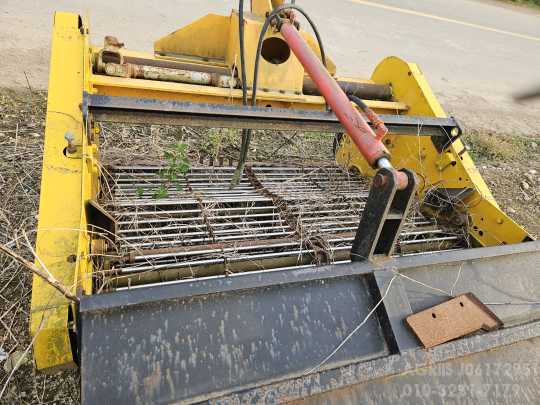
(70, 180)
(488, 225)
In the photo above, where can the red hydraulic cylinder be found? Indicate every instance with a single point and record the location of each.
(369, 145)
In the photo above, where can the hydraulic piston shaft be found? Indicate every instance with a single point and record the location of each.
(367, 142)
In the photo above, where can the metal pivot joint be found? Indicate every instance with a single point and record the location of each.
(384, 215)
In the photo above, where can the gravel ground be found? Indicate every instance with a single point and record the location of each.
(513, 177)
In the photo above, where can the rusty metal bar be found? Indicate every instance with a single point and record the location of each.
(371, 91)
(169, 75)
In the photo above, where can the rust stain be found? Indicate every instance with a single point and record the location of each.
(452, 319)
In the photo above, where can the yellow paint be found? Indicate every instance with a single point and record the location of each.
(60, 200)
(261, 7)
(68, 181)
(488, 225)
(445, 160)
(444, 19)
(119, 86)
(204, 38)
(214, 38)
(287, 76)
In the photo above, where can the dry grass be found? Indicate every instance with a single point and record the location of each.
(21, 143)
(497, 147)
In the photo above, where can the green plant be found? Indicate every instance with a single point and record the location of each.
(527, 2)
(176, 168)
(218, 139)
(177, 163)
(161, 192)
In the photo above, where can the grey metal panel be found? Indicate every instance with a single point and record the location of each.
(185, 348)
(155, 111)
(494, 280)
(322, 387)
(127, 336)
(395, 308)
(508, 375)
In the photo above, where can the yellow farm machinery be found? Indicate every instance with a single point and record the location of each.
(212, 279)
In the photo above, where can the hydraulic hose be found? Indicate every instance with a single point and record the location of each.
(267, 22)
(378, 124)
(246, 134)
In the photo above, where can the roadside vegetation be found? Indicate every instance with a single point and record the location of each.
(487, 146)
(534, 3)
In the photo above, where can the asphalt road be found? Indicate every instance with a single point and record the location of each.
(476, 54)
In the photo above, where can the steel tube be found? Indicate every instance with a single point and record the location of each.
(169, 75)
(205, 240)
(372, 91)
(243, 225)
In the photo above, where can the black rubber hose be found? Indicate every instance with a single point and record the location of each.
(242, 49)
(267, 22)
(246, 133)
(358, 101)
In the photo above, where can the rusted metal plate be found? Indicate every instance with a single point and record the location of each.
(100, 218)
(452, 319)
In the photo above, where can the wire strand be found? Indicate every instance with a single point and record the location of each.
(370, 313)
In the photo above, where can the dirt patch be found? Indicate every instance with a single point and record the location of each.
(510, 164)
(516, 187)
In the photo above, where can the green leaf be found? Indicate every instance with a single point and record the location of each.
(161, 192)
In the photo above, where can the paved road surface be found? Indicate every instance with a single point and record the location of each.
(474, 53)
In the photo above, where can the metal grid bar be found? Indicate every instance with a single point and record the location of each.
(299, 214)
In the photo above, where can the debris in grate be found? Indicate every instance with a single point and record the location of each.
(279, 216)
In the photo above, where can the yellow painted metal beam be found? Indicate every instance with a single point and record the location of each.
(60, 200)
(203, 38)
(214, 39)
(118, 86)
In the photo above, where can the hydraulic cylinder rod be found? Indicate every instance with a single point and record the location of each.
(369, 145)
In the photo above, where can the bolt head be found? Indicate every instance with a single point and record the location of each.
(379, 180)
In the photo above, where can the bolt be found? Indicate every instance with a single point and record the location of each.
(379, 180)
(466, 148)
(69, 137)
